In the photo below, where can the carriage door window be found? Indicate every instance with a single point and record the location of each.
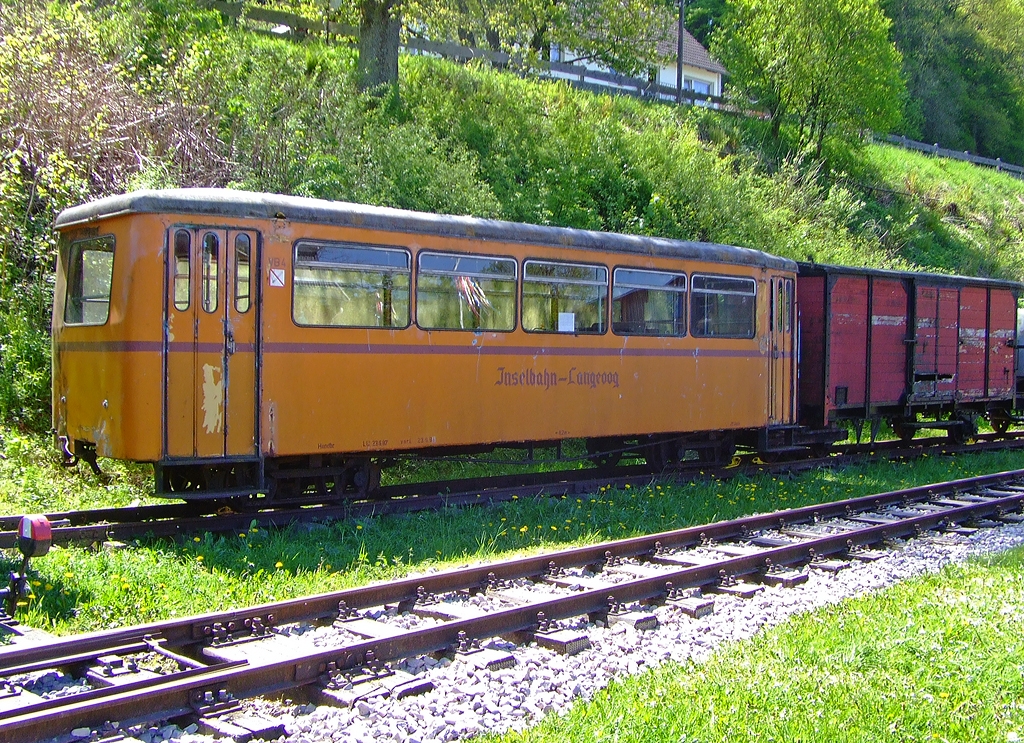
(211, 256)
(182, 270)
(243, 275)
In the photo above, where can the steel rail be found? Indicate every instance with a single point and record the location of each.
(185, 690)
(180, 519)
(186, 630)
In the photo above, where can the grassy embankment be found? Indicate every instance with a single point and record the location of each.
(272, 115)
(80, 589)
(936, 658)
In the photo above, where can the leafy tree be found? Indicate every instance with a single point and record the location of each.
(964, 65)
(622, 34)
(823, 65)
(703, 18)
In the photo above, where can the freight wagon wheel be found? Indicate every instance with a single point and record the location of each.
(1000, 422)
(964, 431)
(902, 429)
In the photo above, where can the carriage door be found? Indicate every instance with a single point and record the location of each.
(781, 365)
(210, 343)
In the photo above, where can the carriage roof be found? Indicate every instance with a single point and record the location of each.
(227, 203)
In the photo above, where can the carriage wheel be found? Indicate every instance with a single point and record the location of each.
(604, 453)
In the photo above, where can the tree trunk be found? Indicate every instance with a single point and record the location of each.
(378, 44)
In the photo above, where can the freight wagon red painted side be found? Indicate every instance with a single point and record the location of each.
(973, 335)
(847, 342)
(882, 344)
(889, 312)
(1002, 339)
(810, 294)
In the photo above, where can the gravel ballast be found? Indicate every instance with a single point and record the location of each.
(467, 701)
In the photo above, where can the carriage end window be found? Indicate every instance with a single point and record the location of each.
(465, 292)
(564, 298)
(90, 270)
(648, 303)
(350, 285)
(722, 307)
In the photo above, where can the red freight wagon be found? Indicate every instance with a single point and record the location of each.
(921, 350)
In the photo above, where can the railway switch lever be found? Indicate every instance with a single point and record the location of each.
(34, 538)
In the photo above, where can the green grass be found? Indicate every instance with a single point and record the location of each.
(937, 658)
(83, 589)
(32, 479)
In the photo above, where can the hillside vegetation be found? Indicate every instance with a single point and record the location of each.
(131, 95)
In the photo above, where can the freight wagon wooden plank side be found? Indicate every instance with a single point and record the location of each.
(889, 318)
(1002, 338)
(847, 342)
(973, 343)
(811, 300)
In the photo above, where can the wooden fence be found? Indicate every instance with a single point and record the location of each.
(933, 149)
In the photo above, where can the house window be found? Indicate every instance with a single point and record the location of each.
(700, 87)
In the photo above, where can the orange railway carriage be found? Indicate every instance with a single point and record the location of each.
(249, 343)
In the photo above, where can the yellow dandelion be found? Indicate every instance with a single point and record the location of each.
(358, 527)
(199, 558)
(196, 539)
(36, 583)
(278, 564)
(554, 528)
(69, 575)
(524, 529)
(242, 536)
(49, 586)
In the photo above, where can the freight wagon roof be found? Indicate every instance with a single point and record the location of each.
(931, 279)
(227, 203)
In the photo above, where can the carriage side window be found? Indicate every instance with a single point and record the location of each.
(182, 270)
(465, 292)
(722, 307)
(243, 285)
(648, 303)
(90, 269)
(350, 285)
(564, 298)
(211, 259)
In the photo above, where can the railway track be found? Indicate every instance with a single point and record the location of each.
(177, 519)
(207, 663)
